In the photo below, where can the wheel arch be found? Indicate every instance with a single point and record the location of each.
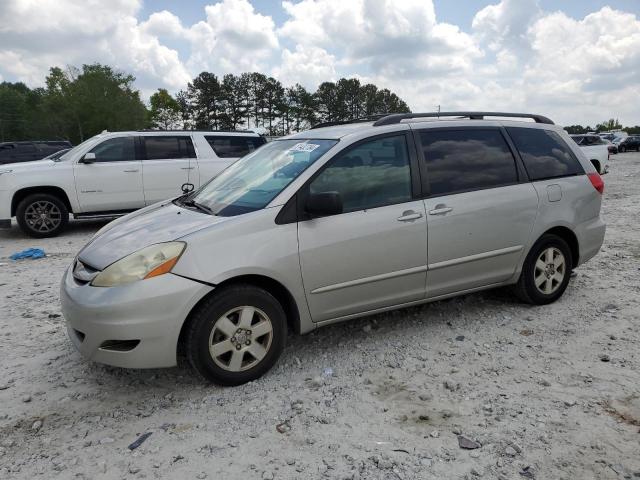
(275, 288)
(23, 193)
(568, 236)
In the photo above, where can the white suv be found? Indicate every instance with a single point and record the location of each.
(114, 173)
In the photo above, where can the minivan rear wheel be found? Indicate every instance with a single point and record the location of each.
(546, 271)
(236, 335)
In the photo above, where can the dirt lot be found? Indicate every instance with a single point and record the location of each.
(547, 392)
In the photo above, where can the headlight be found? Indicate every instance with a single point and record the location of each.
(146, 263)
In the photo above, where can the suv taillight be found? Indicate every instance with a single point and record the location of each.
(596, 181)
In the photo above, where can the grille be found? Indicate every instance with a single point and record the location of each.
(83, 273)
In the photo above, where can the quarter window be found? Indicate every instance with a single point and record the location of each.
(372, 174)
(544, 153)
(115, 150)
(160, 147)
(469, 159)
(234, 146)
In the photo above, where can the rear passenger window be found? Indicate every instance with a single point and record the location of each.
(159, 147)
(369, 175)
(464, 160)
(234, 146)
(544, 153)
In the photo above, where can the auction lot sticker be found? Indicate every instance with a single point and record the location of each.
(304, 147)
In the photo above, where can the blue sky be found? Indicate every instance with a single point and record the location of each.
(575, 60)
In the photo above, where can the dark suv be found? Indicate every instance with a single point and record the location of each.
(630, 143)
(12, 152)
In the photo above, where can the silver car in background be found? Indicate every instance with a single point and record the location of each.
(331, 224)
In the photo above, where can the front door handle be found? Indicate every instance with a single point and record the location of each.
(186, 168)
(409, 216)
(440, 209)
(131, 171)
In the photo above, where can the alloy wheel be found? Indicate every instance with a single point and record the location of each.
(240, 338)
(43, 216)
(550, 270)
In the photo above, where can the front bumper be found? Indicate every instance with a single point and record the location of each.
(132, 326)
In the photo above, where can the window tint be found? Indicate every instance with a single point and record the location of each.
(168, 147)
(544, 153)
(234, 146)
(115, 150)
(370, 175)
(471, 159)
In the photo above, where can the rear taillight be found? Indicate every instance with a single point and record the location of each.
(596, 181)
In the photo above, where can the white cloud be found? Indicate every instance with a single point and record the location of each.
(308, 66)
(515, 56)
(233, 38)
(397, 37)
(71, 32)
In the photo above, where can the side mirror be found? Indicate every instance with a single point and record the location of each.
(88, 158)
(324, 204)
(187, 188)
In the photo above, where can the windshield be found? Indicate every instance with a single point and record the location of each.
(70, 152)
(256, 179)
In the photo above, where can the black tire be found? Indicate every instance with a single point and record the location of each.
(46, 228)
(526, 288)
(201, 329)
(622, 149)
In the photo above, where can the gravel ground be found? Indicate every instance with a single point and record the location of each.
(542, 392)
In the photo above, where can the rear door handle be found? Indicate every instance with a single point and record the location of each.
(186, 168)
(409, 216)
(440, 209)
(131, 171)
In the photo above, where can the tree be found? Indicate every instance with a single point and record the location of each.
(81, 103)
(609, 125)
(205, 97)
(576, 129)
(234, 103)
(165, 113)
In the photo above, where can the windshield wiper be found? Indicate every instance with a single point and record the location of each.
(199, 206)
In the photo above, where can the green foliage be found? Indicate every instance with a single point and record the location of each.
(253, 100)
(76, 104)
(165, 113)
(577, 129)
(609, 125)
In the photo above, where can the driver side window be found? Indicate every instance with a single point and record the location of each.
(372, 174)
(115, 150)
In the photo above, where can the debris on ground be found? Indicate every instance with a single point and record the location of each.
(32, 253)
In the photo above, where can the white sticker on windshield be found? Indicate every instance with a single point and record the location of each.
(304, 147)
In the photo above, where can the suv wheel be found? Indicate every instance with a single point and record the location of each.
(622, 149)
(42, 215)
(546, 271)
(236, 335)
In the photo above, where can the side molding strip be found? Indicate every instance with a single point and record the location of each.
(472, 258)
(374, 278)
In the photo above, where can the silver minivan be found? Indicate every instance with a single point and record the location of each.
(331, 224)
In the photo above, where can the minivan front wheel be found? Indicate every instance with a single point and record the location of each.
(236, 335)
(42, 215)
(546, 271)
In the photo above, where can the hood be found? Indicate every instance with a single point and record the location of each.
(159, 223)
(31, 164)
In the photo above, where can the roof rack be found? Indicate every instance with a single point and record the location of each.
(398, 117)
(174, 130)
(370, 118)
